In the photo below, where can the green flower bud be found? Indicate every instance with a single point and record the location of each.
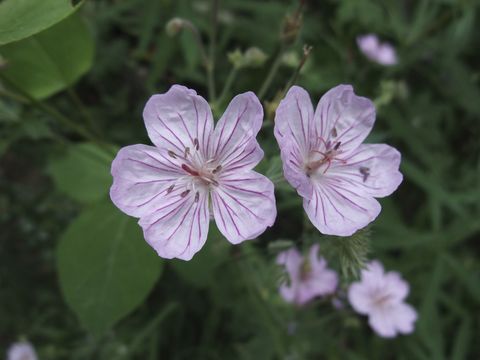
(255, 57)
(174, 26)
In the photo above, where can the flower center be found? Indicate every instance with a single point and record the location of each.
(381, 299)
(200, 172)
(319, 160)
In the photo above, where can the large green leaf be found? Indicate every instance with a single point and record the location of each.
(22, 18)
(50, 61)
(83, 172)
(106, 269)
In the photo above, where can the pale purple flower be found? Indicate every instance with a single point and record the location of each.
(381, 296)
(382, 53)
(195, 170)
(325, 160)
(309, 276)
(21, 351)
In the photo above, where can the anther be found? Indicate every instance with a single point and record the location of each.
(172, 154)
(170, 189)
(185, 193)
(196, 144)
(187, 152)
(365, 171)
(190, 170)
(334, 132)
(337, 145)
(217, 169)
(197, 197)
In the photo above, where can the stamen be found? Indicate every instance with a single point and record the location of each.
(334, 132)
(337, 145)
(187, 152)
(185, 193)
(197, 145)
(190, 170)
(170, 189)
(172, 154)
(197, 196)
(217, 169)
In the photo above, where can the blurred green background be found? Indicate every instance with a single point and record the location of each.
(76, 277)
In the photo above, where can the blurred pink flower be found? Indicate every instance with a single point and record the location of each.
(382, 53)
(308, 277)
(21, 351)
(381, 296)
(325, 161)
(169, 186)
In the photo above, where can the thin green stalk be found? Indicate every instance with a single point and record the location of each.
(151, 327)
(306, 53)
(228, 84)
(83, 109)
(271, 74)
(198, 39)
(212, 49)
(56, 114)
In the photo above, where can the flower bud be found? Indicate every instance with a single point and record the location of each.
(174, 26)
(255, 57)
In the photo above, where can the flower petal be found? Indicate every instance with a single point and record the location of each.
(243, 205)
(294, 121)
(371, 167)
(396, 286)
(141, 174)
(341, 116)
(235, 145)
(360, 297)
(337, 210)
(404, 317)
(178, 229)
(292, 260)
(178, 119)
(293, 170)
(382, 322)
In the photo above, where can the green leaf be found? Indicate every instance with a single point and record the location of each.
(200, 270)
(50, 61)
(22, 18)
(83, 172)
(106, 269)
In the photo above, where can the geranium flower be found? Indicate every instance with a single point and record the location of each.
(382, 53)
(325, 160)
(21, 351)
(381, 296)
(309, 277)
(169, 186)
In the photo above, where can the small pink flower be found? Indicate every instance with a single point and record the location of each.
(325, 161)
(309, 277)
(21, 351)
(381, 296)
(382, 53)
(169, 186)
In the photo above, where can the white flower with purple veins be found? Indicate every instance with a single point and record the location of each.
(381, 296)
(382, 53)
(21, 351)
(169, 186)
(309, 276)
(325, 161)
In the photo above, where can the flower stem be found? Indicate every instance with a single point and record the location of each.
(228, 84)
(67, 122)
(212, 48)
(83, 109)
(271, 74)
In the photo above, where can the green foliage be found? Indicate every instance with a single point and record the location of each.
(105, 268)
(200, 271)
(22, 18)
(50, 61)
(82, 172)
(224, 304)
